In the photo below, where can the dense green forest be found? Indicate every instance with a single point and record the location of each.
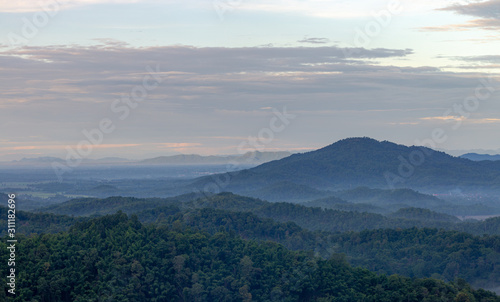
(116, 258)
(373, 241)
(410, 252)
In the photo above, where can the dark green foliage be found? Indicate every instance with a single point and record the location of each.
(116, 258)
(28, 223)
(425, 252)
(411, 252)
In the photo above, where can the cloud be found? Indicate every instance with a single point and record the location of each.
(482, 59)
(486, 14)
(487, 9)
(462, 119)
(485, 121)
(444, 118)
(314, 40)
(56, 92)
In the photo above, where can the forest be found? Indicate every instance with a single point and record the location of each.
(117, 258)
(411, 245)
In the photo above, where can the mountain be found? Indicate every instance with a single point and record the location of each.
(364, 161)
(478, 157)
(39, 160)
(248, 158)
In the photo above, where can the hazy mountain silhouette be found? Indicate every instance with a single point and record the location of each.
(354, 162)
(478, 157)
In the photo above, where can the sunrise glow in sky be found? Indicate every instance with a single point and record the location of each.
(217, 73)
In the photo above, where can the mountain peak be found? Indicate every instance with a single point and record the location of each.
(364, 161)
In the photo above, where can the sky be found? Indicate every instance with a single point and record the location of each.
(138, 79)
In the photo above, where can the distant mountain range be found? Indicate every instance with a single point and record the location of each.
(249, 158)
(478, 157)
(255, 157)
(48, 160)
(357, 162)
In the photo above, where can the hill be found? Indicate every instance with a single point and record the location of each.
(313, 218)
(425, 214)
(110, 205)
(365, 162)
(337, 203)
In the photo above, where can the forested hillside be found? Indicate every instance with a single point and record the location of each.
(116, 258)
(387, 244)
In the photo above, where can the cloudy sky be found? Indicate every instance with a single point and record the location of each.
(137, 79)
